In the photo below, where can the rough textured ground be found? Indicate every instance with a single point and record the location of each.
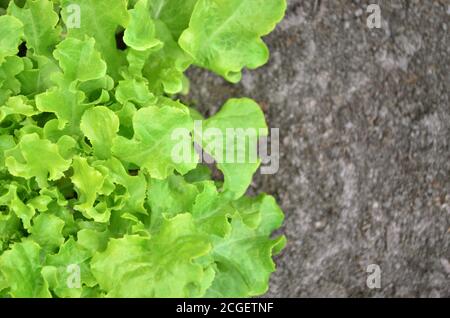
(364, 118)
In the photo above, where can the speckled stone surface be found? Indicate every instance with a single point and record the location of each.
(364, 119)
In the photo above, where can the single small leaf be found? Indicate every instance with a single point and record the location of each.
(140, 32)
(9, 84)
(11, 32)
(100, 19)
(40, 25)
(6, 142)
(100, 125)
(133, 90)
(79, 59)
(47, 231)
(92, 240)
(244, 261)
(21, 268)
(88, 183)
(231, 137)
(225, 35)
(67, 104)
(211, 210)
(15, 204)
(17, 105)
(10, 227)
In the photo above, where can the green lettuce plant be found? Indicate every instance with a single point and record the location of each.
(92, 203)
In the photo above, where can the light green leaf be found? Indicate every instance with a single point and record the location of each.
(40, 203)
(17, 105)
(165, 68)
(62, 270)
(68, 147)
(9, 84)
(137, 60)
(199, 174)
(162, 266)
(261, 213)
(239, 124)
(133, 90)
(10, 227)
(92, 240)
(66, 104)
(170, 197)
(23, 211)
(244, 257)
(100, 19)
(37, 79)
(40, 25)
(6, 142)
(211, 211)
(126, 114)
(244, 262)
(136, 186)
(35, 157)
(154, 146)
(3, 285)
(100, 125)
(175, 14)
(225, 35)
(88, 183)
(47, 231)
(11, 32)
(21, 268)
(80, 60)
(140, 32)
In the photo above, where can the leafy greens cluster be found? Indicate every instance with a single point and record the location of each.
(87, 179)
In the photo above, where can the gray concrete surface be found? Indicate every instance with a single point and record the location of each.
(364, 118)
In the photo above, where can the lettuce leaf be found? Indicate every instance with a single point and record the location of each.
(225, 35)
